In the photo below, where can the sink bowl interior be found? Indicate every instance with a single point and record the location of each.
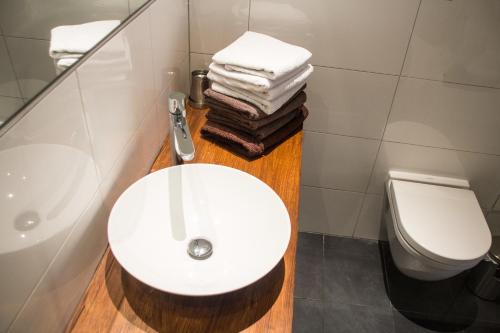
(154, 221)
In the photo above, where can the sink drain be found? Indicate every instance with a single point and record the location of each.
(199, 249)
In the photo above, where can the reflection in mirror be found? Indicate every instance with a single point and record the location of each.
(40, 39)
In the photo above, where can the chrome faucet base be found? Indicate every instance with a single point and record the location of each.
(181, 143)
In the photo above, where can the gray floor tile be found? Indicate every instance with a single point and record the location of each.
(344, 318)
(430, 299)
(309, 240)
(354, 287)
(307, 316)
(353, 274)
(470, 307)
(351, 283)
(483, 328)
(413, 323)
(359, 248)
(309, 260)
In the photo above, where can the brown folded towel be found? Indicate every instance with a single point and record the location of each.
(258, 133)
(247, 113)
(244, 144)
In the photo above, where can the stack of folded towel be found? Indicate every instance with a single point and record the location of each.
(257, 93)
(69, 42)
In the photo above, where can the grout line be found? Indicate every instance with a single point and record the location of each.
(411, 36)
(492, 209)
(359, 213)
(151, 48)
(393, 99)
(401, 142)
(389, 74)
(333, 189)
(189, 41)
(353, 69)
(87, 129)
(30, 38)
(249, 11)
(345, 135)
(451, 82)
(201, 53)
(9, 55)
(444, 148)
(7, 96)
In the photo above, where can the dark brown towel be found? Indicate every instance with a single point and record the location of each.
(248, 114)
(246, 145)
(258, 133)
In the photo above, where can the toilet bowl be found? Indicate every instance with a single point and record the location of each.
(435, 226)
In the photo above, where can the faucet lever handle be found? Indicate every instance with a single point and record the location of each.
(176, 104)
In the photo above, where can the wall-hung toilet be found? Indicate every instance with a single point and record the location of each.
(435, 226)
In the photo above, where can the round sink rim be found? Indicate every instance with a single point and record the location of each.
(278, 254)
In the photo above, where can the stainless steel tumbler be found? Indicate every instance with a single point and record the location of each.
(199, 83)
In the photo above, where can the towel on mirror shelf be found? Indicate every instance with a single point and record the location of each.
(246, 145)
(64, 63)
(270, 94)
(245, 114)
(267, 106)
(261, 55)
(255, 83)
(68, 40)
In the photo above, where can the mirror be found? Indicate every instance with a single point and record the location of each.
(40, 39)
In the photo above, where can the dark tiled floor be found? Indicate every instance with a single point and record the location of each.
(351, 285)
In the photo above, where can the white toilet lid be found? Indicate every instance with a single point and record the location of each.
(443, 223)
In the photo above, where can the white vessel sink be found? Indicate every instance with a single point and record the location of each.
(154, 221)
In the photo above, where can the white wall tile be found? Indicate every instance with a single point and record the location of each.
(358, 34)
(170, 42)
(480, 169)
(117, 90)
(329, 211)
(200, 61)
(215, 24)
(445, 115)
(8, 82)
(33, 76)
(370, 223)
(56, 297)
(349, 102)
(35, 19)
(9, 106)
(456, 41)
(181, 83)
(134, 162)
(494, 223)
(337, 162)
(47, 178)
(133, 5)
(63, 107)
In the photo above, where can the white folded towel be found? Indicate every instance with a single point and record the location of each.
(66, 41)
(270, 94)
(268, 107)
(257, 83)
(261, 55)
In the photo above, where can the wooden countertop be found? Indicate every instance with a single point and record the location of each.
(116, 301)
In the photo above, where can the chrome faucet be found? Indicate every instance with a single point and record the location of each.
(181, 143)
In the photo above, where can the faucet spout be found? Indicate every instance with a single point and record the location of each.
(181, 143)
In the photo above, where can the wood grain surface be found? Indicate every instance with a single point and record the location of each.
(116, 302)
